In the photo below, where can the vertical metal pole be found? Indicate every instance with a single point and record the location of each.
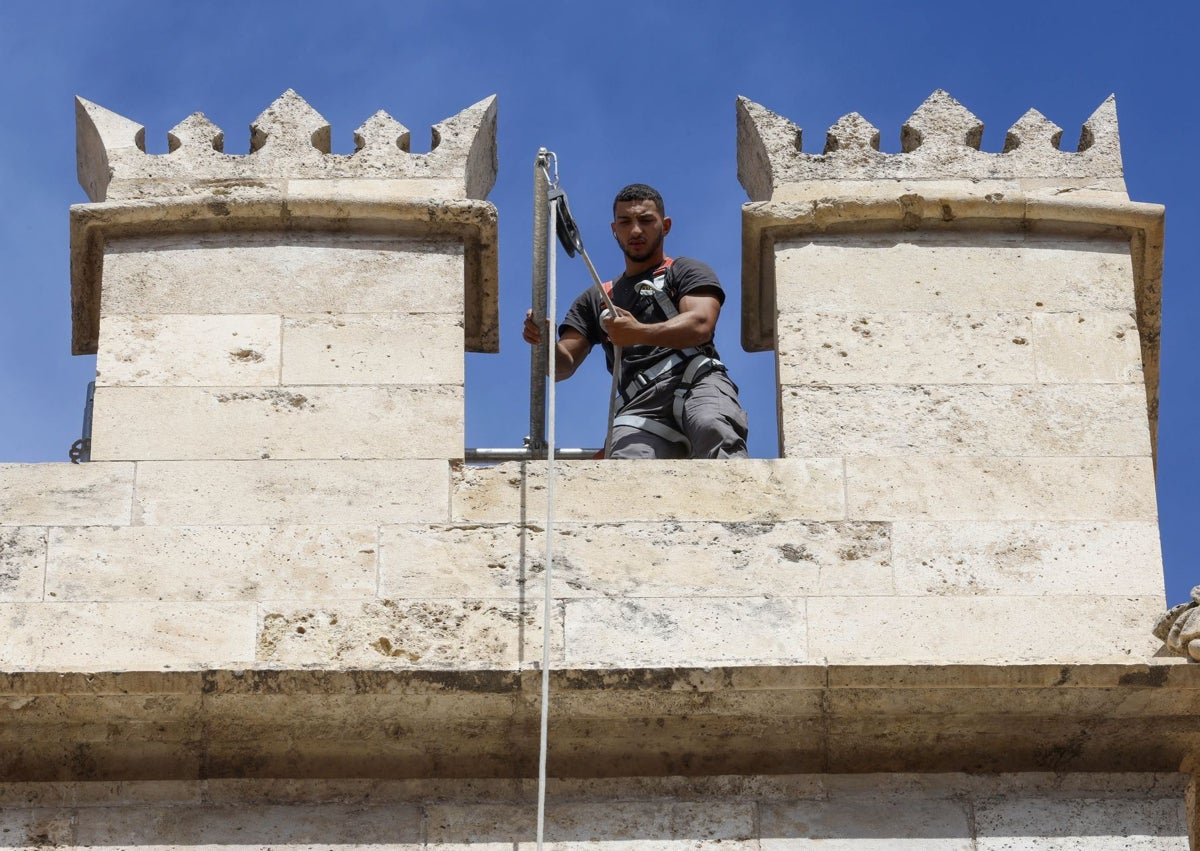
(540, 354)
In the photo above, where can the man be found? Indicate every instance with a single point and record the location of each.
(676, 399)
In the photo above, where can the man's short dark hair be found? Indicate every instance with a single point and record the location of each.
(639, 192)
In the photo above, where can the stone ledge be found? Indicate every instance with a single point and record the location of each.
(274, 208)
(263, 723)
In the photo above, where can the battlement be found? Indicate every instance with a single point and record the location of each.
(940, 140)
(289, 140)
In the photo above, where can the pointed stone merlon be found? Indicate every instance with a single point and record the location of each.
(289, 141)
(938, 186)
(939, 141)
(288, 182)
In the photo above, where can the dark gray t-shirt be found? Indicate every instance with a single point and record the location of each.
(684, 276)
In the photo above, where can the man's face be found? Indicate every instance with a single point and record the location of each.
(639, 227)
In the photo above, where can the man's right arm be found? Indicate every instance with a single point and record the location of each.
(569, 352)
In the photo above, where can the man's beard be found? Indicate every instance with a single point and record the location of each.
(645, 255)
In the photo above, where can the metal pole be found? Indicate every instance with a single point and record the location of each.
(540, 353)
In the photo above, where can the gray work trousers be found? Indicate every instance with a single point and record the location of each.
(713, 420)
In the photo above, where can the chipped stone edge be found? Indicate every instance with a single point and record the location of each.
(764, 223)
(474, 222)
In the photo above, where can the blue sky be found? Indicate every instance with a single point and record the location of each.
(622, 92)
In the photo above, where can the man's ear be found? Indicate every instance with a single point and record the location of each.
(666, 225)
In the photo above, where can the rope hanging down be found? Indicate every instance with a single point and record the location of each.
(551, 215)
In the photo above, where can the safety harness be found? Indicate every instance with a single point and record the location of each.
(697, 362)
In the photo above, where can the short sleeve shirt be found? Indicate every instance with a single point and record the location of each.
(684, 276)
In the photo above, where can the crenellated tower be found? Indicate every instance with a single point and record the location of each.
(278, 609)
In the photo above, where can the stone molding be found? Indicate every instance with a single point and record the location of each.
(473, 222)
(305, 723)
(939, 141)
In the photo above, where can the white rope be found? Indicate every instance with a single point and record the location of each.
(547, 601)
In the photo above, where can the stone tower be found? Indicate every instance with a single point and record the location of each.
(266, 614)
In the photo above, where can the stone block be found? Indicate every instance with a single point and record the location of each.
(181, 423)
(1000, 489)
(34, 829)
(386, 348)
(281, 273)
(198, 351)
(438, 634)
(111, 636)
(264, 493)
(980, 558)
(1029, 420)
(853, 822)
(973, 347)
(702, 559)
(1094, 825)
(727, 491)
(983, 630)
(953, 272)
(315, 825)
(1087, 347)
(65, 494)
(685, 631)
(645, 825)
(22, 563)
(214, 563)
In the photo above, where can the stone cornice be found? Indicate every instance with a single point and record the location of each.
(300, 204)
(607, 722)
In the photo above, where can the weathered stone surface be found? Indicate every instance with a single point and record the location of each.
(795, 489)
(940, 140)
(22, 563)
(903, 822)
(115, 636)
(1082, 823)
(65, 494)
(953, 272)
(31, 829)
(436, 634)
(281, 273)
(673, 631)
(173, 423)
(1000, 489)
(981, 558)
(288, 140)
(662, 825)
(1087, 347)
(905, 348)
(189, 351)
(260, 827)
(992, 630)
(191, 563)
(701, 559)
(257, 493)
(1022, 420)
(389, 348)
